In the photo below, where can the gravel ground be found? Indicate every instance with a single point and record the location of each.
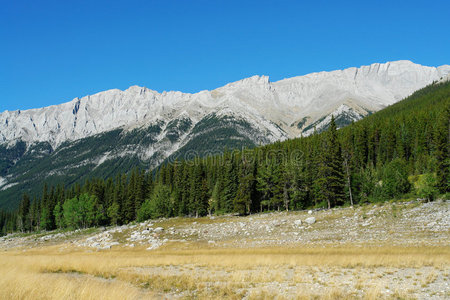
(287, 282)
(407, 223)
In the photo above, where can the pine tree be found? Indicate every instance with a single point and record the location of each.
(139, 189)
(129, 208)
(347, 155)
(198, 203)
(264, 184)
(278, 185)
(23, 212)
(230, 184)
(59, 217)
(184, 189)
(113, 213)
(330, 183)
(33, 215)
(245, 191)
(45, 222)
(442, 142)
(296, 184)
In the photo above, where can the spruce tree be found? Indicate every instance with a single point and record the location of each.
(23, 212)
(59, 217)
(442, 142)
(245, 191)
(230, 184)
(264, 184)
(198, 203)
(330, 184)
(130, 209)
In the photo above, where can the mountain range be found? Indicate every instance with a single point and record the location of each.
(113, 131)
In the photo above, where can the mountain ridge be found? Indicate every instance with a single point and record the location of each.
(114, 131)
(286, 101)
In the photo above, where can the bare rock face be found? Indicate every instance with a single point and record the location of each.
(282, 109)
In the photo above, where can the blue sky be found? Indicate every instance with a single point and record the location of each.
(54, 51)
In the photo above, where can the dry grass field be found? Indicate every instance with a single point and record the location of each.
(393, 251)
(264, 273)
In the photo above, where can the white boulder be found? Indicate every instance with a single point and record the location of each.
(298, 222)
(310, 220)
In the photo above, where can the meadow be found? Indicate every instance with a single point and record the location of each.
(196, 272)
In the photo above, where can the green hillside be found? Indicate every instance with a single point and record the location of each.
(114, 152)
(370, 160)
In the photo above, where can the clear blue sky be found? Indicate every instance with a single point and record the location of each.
(54, 51)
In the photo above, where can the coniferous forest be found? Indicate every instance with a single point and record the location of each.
(399, 152)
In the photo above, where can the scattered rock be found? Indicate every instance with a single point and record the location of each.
(357, 225)
(158, 229)
(310, 220)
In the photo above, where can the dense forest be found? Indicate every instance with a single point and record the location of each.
(401, 151)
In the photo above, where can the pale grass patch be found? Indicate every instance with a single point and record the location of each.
(404, 295)
(264, 294)
(359, 284)
(299, 277)
(48, 273)
(373, 293)
(240, 276)
(431, 277)
(20, 282)
(329, 294)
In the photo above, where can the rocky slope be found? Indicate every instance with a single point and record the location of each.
(402, 224)
(262, 103)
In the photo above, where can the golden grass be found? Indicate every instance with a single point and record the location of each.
(49, 273)
(24, 280)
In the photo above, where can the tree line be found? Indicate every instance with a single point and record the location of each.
(375, 159)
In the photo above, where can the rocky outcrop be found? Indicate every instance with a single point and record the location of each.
(273, 107)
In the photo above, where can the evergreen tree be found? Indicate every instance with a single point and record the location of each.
(296, 184)
(24, 210)
(198, 203)
(264, 184)
(113, 213)
(230, 184)
(367, 184)
(59, 217)
(330, 184)
(129, 207)
(45, 222)
(442, 141)
(246, 188)
(213, 204)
